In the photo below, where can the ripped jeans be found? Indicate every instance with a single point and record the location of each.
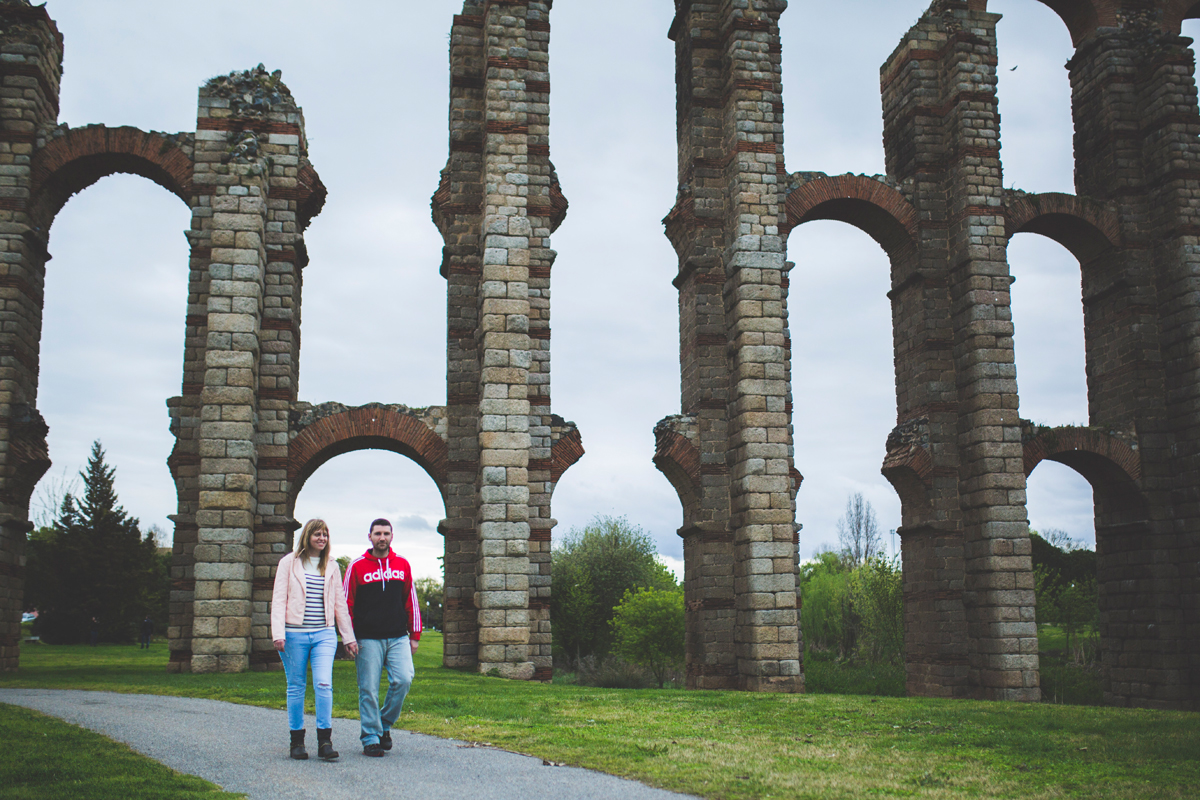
(316, 646)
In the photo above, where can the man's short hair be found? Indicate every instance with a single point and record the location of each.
(380, 521)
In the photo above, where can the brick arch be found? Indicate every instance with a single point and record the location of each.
(1110, 465)
(866, 203)
(1177, 11)
(76, 160)
(1080, 16)
(564, 453)
(678, 459)
(909, 469)
(1084, 16)
(365, 428)
(1086, 229)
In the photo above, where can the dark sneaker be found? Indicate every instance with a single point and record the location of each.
(373, 750)
(385, 741)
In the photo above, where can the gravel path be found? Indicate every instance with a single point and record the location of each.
(244, 749)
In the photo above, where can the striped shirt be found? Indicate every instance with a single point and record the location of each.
(314, 596)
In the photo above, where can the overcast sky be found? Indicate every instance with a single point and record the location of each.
(373, 83)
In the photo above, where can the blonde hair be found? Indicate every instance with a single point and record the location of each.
(305, 538)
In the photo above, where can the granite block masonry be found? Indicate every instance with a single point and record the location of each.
(960, 453)
(958, 457)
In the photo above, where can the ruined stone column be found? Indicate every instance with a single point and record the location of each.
(30, 69)
(232, 218)
(730, 454)
(1134, 104)
(497, 205)
(457, 210)
(942, 134)
(759, 452)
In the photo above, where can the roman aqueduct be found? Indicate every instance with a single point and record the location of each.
(958, 457)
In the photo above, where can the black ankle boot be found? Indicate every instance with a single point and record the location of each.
(325, 744)
(298, 751)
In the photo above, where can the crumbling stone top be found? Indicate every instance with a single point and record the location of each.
(252, 93)
(305, 414)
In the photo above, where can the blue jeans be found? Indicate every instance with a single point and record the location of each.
(373, 656)
(317, 646)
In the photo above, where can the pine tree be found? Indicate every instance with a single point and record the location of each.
(94, 562)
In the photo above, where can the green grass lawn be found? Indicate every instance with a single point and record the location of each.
(47, 759)
(730, 744)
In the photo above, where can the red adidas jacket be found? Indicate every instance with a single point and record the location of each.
(382, 598)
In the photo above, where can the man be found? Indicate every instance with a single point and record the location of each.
(387, 624)
(146, 632)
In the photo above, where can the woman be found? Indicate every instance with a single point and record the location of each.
(307, 601)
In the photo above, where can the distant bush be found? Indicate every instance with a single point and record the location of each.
(825, 673)
(612, 672)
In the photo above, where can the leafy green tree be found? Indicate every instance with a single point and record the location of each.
(94, 563)
(648, 630)
(876, 590)
(429, 597)
(826, 616)
(592, 569)
(1065, 586)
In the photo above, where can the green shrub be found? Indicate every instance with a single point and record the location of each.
(876, 591)
(611, 672)
(592, 569)
(648, 630)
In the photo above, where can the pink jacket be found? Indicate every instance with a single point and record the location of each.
(287, 598)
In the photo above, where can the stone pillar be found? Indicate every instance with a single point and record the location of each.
(457, 209)
(759, 451)
(935, 626)
(296, 195)
(30, 69)
(998, 587)
(739, 532)
(502, 590)
(232, 182)
(496, 206)
(546, 209)
(942, 134)
(1136, 123)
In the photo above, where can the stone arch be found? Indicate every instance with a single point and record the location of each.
(1109, 464)
(75, 160)
(1084, 228)
(868, 204)
(371, 427)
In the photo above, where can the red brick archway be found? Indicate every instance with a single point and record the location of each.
(1177, 11)
(73, 162)
(1086, 229)
(1110, 465)
(365, 428)
(679, 460)
(1083, 16)
(868, 204)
